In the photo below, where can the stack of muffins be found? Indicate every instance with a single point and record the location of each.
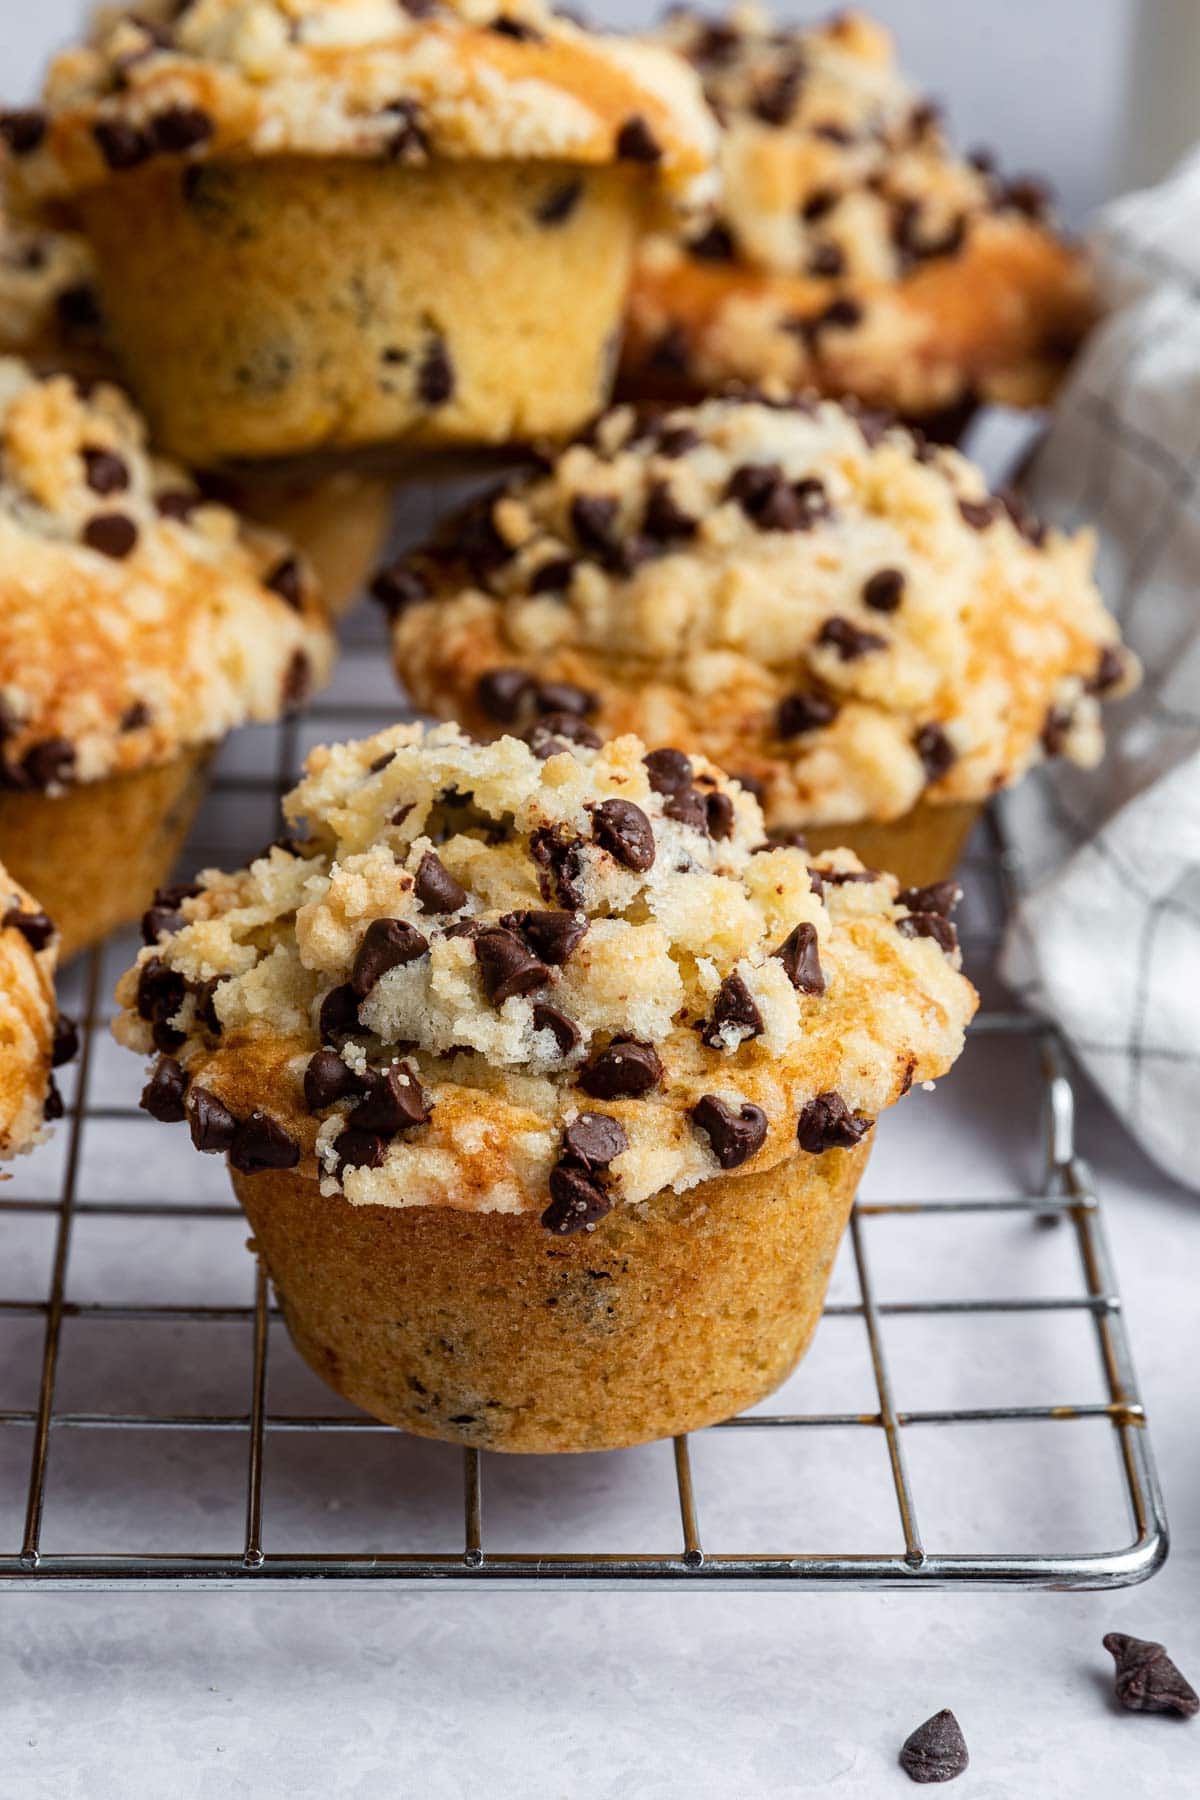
(545, 1059)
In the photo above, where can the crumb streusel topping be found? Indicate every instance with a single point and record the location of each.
(502, 982)
(136, 617)
(34, 1040)
(814, 598)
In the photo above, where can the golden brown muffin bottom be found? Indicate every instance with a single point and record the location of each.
(340, 521)
(922, 847)
(290, 304)
(95, 854)
(485, 1329)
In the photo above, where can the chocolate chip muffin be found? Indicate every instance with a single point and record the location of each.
(49, 302)
(139, 623)
(853, 251)
(34, 1039)
(341, 222)
(838, 614)
(545, 1081)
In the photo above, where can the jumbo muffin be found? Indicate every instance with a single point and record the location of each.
(34, 1039)
(322, 223)
(545, 1082)
(842, 617)
(139, 624)
(853, 251)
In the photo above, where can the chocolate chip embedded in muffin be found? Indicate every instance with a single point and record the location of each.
(827, 1123)
(566, 1034)
(670, 771)
(625, 832)
(578, 1200)
(595, 1139)
(354, 1149)
(163, 1095)
(387, 944)
(105, 471)
(213, 1126)
(436, 378)
(37, 928)
(799, 714)
(286, 579)
(884, 590)
(112, 534)
(556, 206)
(338, 1015)
(23, 129)
(848, 639)
(734, 1017)
(637, 143)
(626, 1070)
(553, 936)
(507, 968)
(259, 1143)
(935, 750)
(734, 1136)
(502, 692)
(393, 1103)
(930, 925)
(436, 888)
(940, 897)
(328, 1079)
(801, 959)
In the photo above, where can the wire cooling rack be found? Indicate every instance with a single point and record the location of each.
(154, 1430)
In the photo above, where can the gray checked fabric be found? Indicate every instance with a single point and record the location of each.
(1106, 938)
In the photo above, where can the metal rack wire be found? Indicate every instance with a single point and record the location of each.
(258, 1556)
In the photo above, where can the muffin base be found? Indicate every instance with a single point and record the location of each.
(485, 1329)
(922, 847)
(340, 520)
(95, 854)
(289, 304)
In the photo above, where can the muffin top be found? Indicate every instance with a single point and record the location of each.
(32, 1039)
(136, 618)
(388, 79)
(502, 982)
(815, 598)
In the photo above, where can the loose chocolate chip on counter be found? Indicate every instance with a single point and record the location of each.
(935, 1751)
(327, 1079)
(734, 1005)
(112, 534)
(577, 1200)
(260, 1143)
(626, 1070)
(163, 1094)
(285, 579)
(637, 143)
(594, 1139)
(733, 1136)
(435, 377)
(665, 520)
(1110, 671)
(394, 1102)
(560, 857)
(506, 966)
(436, 888)
(122, 145)
(556, 207)
(553, 936)
(564, 1031)
(940, 897)
(1146, 1678)
(930, 925)
(827, 1123)
(935, 751)
(688, 807)
(669, 771)
(387, 944)
(798, 714)
(179, 129)
(399, 586)
(339, 1012)
(801, 959)
(37, 928)
(884, 590)
(719, 813)
(565, 697)
(213, 1126)
(356, 1149)
(48, 764)
(502, 693)
(623, 829)
(848, 639)
(23, 129)
(66, 1041)
(297, 681)
(136, 717)
(978, 514)
(105, 471)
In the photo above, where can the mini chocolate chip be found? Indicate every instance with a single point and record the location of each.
(826, 1123)
(48, 764)
(66, 1041)
(160, 991)
(884, 590)
(773, 104)
(112, 534)
(162, 1096)
(122, 145)
(782, 837)
(435, 377)
(159, 918)
(286, 580)
(774, 504)
(935, 751)
(978, 514)
(677, 440)
(930, 925)
(560, 857)
(52, 1105)
(501, 693)
(358, 1150)
(1146, 1678)
(205, 1000)
(326, 1079)
(1110, 670)
(387, 944)
(179, 129)
(664, 519)
(553, 576)
(556, 207)
(637, 143)
(799, 714)
(436, 888)
(715, 244)
(78, 308)
(827, 261)
(213, 1126)
(516, 29)
(399, 586)
(37, 928)
(565, 697)
(840, 877)
(381, 762)
(1026, 522)
(339, 1012)
(552, 936)
(577, 1201)
(841, 315)
(1026, 194)
(733, 1136)
(259, 1143)
(719, 814)
(593, 520)
(688, 807)
(1055, 730)
(594, 1139)
(941, 897)
(105, 471)
(557, 732)
(734, 1006)
(936, 1751)
(669, 771)
(23, 129)
(506, 966)
(626, 1070)
(623, 829)
(393, 1103)
(136, 716)
(848, 639)
(801, 960)
(564, 1031)
(297, 681)
(406, 139)
(177, 504)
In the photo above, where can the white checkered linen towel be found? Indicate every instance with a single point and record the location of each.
(1106, 937)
